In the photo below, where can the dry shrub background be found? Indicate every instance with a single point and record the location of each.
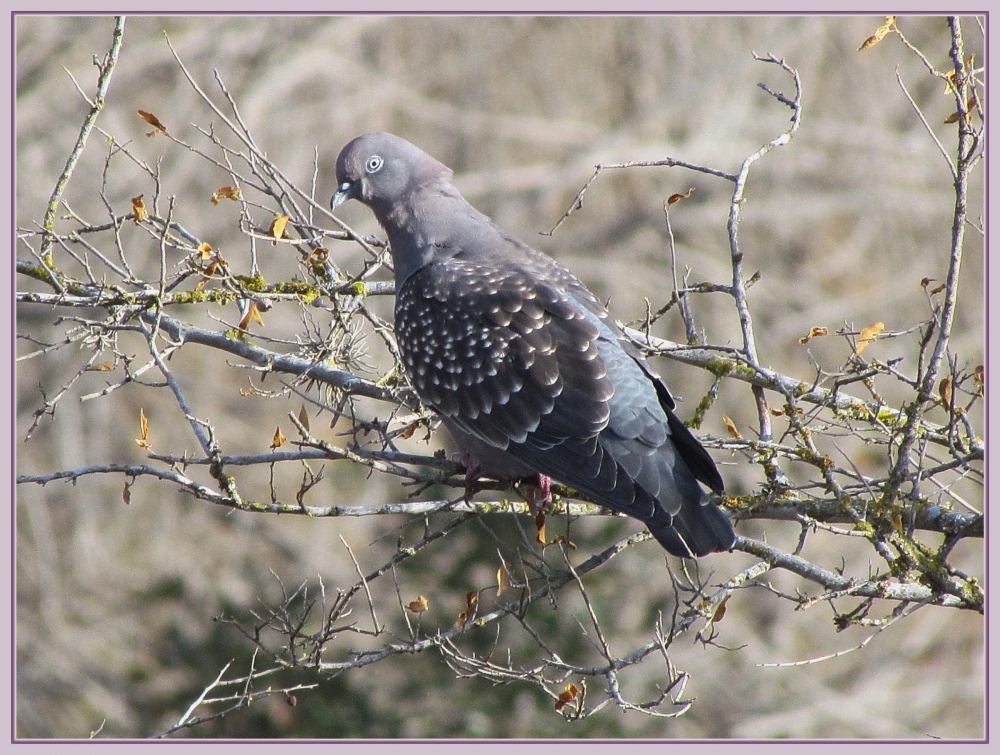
(114, 602)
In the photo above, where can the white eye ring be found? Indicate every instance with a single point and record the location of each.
(374, 163)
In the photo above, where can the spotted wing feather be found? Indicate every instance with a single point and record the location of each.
(524, 366)
(500, 355)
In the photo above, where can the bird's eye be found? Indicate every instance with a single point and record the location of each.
(374, 163)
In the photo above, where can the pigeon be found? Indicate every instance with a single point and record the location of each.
(524, 365)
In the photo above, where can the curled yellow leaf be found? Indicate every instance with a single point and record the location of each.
(226, 192)
(813, 333)
(252, 315)
(503, 580)
(143, 442)
(277, 229)
(867, 336)
(420, 605)
(139, 209)
(880, 32)
(320, 254)
(731, 427)
(970, 108)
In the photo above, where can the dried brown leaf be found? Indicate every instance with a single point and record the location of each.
(720, 612)
(945, 391)
(471, 599)
(278, 440)
(675, 198)
(870, 42)
(153, 121)
(568, 695)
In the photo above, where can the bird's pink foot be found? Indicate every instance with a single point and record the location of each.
(539, 496)
(472, 474)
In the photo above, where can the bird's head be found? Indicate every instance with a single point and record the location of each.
(381, 170)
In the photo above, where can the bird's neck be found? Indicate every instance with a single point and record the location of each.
(418, 238)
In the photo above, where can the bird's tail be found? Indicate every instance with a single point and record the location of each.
(698, 529)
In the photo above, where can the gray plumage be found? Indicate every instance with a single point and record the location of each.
(527, 369)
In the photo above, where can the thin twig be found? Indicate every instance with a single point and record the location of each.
(105, 69)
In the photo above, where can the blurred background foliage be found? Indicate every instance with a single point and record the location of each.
(115, 602)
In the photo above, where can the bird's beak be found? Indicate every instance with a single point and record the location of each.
(345, 191)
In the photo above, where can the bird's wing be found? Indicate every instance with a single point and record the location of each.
(518, 362)
(689, 449)
(501, 355)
